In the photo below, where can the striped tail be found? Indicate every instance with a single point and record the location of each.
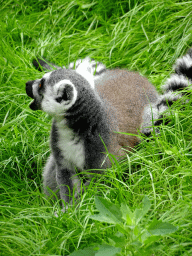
(172, 91)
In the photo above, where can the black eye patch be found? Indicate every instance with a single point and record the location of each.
(41, 84)
(59, 99)
(41, 87)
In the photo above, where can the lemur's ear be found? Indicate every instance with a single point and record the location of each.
(43, 65)
(65, 92)
(86, 70)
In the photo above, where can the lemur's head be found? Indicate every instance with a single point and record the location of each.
(57, 91)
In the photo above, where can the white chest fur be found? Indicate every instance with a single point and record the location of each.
(71, 146)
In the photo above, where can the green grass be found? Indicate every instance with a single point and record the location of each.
(146, 36)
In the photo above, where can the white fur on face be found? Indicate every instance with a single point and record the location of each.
(47, 75)
(49, 103)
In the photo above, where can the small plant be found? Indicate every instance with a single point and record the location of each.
(133, 236)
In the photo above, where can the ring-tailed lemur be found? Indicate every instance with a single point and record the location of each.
(90, 106)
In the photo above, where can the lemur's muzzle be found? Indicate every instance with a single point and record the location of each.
(29, 91)
(29, 88)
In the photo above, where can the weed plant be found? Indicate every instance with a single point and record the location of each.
(144, 36)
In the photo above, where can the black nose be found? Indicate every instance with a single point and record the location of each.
(29, 88)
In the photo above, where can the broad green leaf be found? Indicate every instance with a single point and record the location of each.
(151, 240)
(140, 213)
(127, 214)
(136, 231)
(157, 227)
(144, 236)
(136, 244)
(117, 240)
(102, 218)
(89, 251)
(154, 246)
(146, 204)
(108, 212)
(133, 218)
(107, 250)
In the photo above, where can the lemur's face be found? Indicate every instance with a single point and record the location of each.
(55, 92)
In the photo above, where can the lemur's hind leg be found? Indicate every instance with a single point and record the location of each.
(49, 178)
(60, 183)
